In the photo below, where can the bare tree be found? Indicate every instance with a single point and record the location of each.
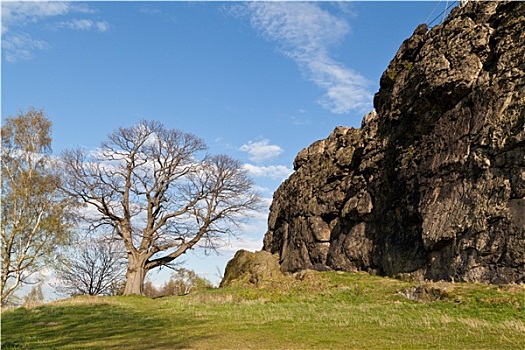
(93, 268)
(33, 209)
(146, 186)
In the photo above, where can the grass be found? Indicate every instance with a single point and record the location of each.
(324, 311)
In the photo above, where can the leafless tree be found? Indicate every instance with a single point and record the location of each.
(94, 267)
(34, 218)
(147, 186)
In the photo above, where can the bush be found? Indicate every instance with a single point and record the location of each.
(181, 282)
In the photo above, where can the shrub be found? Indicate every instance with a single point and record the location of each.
(181, 282)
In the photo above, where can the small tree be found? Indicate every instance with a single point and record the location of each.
(181, 282)
(35, 296)
(184, 281)
(34, 220)
(92, 268)
(146, 185)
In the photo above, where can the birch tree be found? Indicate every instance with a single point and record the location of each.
(146, 186)
(34, 221)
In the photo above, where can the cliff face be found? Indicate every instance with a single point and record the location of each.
(433, 183)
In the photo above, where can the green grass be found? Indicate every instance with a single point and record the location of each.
(324, 311)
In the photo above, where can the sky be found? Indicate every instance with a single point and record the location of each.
(258, 81)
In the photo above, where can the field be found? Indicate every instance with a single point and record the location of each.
(323, 311)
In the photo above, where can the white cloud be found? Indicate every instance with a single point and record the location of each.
(102, 26)
(24, 12)
(305, 33)
(148, 10)
(277, 172)
(262, 189)
(250, 245)
(261, 150)
(20, 46)
(301, 120)
(84, 24)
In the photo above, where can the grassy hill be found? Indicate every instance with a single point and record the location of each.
(322, 311)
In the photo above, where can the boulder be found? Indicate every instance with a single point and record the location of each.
(255, 268)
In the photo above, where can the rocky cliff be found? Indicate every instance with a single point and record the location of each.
(433, 183)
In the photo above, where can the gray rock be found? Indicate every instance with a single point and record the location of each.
(433, 183)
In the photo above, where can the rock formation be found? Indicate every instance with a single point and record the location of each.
(256, 268)
(433, 183)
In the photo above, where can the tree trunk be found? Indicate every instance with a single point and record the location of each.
(135, 275)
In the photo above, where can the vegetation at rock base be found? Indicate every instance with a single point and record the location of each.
(312, 310)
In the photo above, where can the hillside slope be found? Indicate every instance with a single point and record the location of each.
(323, 310)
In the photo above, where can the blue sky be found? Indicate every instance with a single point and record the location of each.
(258, 81)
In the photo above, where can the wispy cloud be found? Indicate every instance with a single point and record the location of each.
(149, 10)
(84, 24)
(18, 45)
(261, 150)
(276, 172)
(301, 119)
(19, 14)
(305, 32)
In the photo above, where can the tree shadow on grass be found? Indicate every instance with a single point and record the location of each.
(102, 326)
